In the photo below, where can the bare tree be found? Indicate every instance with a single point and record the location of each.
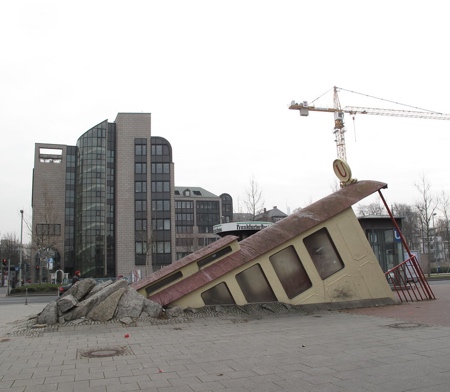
(9, 250)
(188, 243)
(46, 235)
(253, 198)
(9, 247)
(443, 224)
(376, 208)
(426, 207)
(335, 186)
(146, 239)
(410, 223)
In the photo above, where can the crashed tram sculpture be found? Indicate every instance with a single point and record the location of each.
(318, 255)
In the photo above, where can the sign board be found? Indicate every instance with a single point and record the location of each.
(397, 237)
(238, 226)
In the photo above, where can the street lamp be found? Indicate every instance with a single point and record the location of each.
(435, 239)
(20, 253)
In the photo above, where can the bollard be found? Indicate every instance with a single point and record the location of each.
(26, 295)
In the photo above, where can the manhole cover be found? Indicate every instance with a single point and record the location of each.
(406, 325)
(104, 352)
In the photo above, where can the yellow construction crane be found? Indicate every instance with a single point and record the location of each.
(339, 127)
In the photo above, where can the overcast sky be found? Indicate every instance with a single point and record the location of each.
(218, 78)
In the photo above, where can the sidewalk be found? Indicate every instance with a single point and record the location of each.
(12, 313)
(386, 349)
(436, 312)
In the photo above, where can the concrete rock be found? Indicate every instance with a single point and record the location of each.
(49, 315)
(81, 289)
(130, 305)
(127, 320)
(86, 306)
(99, 287)
(66, 303)
(102, 303)
(151, 309)
(105, 310)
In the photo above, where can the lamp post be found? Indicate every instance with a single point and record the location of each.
(20, 252)
(434, 239)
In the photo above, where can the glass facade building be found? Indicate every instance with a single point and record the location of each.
(91, 202)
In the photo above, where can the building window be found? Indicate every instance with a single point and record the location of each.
(160, 186)
(140, 168)
(208, 205)
(141, 224)
(140, 186)
(323, 253)
(140, 149)
(160, 205)
(161, 224)
(211, 219)
(186, 205)
(156, 149)
(162, 247)
(184, 241)
(48, 229)
(141, 247)
(160, 168)
(160, 149)
(140, 205)
(184, 217)
(184, 229)
(205, 229)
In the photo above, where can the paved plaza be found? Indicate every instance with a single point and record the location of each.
(394, 348)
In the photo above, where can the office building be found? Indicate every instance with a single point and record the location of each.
(196, 212)
(93, 203)
(106, 206)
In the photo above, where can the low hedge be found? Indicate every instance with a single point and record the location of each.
(36, 288)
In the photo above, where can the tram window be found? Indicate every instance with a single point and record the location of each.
(164, 282)
(323, 253)
(254, 285)
(290, 272)
(218, 295)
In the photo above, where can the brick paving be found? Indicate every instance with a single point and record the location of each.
(436, 312)
(396, 348)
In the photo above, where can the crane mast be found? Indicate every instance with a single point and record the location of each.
(339, 127)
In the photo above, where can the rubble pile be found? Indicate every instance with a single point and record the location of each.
(99, 302)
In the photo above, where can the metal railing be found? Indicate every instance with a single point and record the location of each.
(408, 280)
